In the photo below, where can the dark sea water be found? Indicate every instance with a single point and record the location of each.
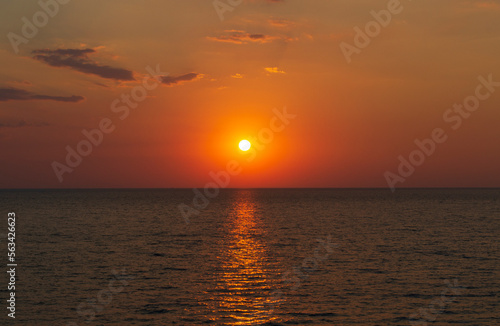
(255, 257)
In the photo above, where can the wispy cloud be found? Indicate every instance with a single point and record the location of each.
(237, 76)
(487, 5)
(274, 70)
(21, 124)
(175, 80)
(8, 94)
(282, 23)
(24, 83)
(270, 1)
(242, 37)
(78, 59)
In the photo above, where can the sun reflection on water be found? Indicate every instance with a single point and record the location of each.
(246, 276)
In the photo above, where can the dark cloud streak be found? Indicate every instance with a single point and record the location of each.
(7, 94)
(170, 80)
(21, 124)
(241, 37)
(78, 60)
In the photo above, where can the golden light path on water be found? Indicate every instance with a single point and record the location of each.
(244, 283)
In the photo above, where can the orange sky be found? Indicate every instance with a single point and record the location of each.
(219, 81)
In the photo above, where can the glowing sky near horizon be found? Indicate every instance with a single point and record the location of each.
(221, 80)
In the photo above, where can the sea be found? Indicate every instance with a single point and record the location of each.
(251, 257)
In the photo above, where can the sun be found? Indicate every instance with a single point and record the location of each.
(245, 145)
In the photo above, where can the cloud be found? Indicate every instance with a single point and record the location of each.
(78, 60)
(281, 23)
(20, 83)
(22, 123)
(7, 94)
(274, 70)
(172, 81)
(270, 1)
(237, 76)
(487, 5)
(242, 37)
(477, 6)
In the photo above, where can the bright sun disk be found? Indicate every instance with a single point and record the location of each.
(245, 145)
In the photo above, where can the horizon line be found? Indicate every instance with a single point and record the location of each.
(252, 188)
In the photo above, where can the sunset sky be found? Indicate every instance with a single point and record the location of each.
(219, 81)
